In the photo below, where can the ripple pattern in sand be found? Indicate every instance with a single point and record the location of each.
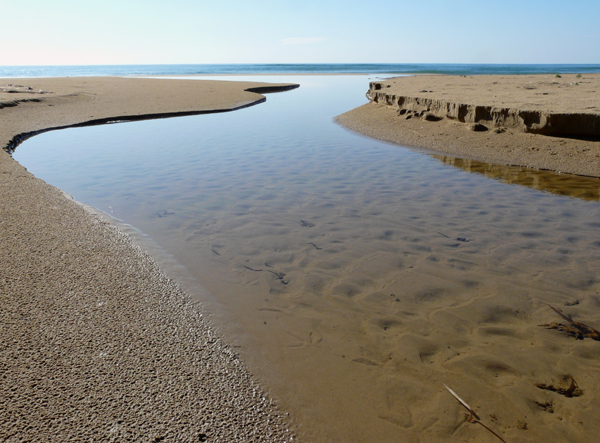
(362, 276)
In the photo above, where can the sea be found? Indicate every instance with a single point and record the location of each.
(249, 69)
(354, 277)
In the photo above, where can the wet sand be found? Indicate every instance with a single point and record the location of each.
(364, 311)
(538, 121)
(367, 317)
(96, 341)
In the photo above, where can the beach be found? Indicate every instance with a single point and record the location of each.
(538, 121)
(97, 342)
(352, 313)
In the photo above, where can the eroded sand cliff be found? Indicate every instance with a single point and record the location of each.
(539, 121)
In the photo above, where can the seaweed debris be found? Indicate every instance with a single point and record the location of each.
(573, 329)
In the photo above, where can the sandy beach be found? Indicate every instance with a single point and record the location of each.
(539, 121)
(97, 343)
(359, 310)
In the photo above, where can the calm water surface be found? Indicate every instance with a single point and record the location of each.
(325, 68)
(342, 260)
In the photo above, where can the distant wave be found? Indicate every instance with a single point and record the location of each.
(371, 68)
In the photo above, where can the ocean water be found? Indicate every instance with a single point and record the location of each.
(371, 68)
(356, 276)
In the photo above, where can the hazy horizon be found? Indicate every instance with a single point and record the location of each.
(292, 64)
(68, 32)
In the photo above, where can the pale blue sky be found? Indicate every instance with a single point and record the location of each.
(57, 32)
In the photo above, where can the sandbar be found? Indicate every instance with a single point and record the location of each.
(540, 121)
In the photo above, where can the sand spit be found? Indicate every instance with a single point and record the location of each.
(96, 342)
(540, 121)
(86, 101)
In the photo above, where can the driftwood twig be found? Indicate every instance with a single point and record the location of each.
(473, 417)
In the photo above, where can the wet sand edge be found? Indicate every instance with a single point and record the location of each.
(98, 342)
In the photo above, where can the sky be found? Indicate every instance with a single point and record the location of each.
(83, 32)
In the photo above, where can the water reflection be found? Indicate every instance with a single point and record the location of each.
(577, 186)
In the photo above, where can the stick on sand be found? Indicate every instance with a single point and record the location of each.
(473, 418)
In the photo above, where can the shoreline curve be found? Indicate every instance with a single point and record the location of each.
(136, 114)
(97, 341)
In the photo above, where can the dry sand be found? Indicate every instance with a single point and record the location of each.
(84, 101)
(96, 342)
(538, 121)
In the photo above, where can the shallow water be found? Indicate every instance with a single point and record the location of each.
(352, 269)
